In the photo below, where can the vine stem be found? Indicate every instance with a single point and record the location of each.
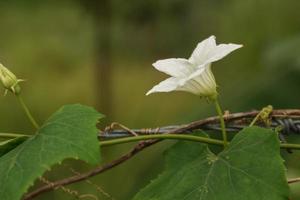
(222, 122)
(180, 137)
(12, 135)
(254, 120)
(27, 112)
(156, 136)
(289, 146)
(162, 136)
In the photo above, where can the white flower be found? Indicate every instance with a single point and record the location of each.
(193, 75)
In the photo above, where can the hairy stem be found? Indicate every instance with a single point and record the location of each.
(27, 112)
(162, 136)
(222, 122)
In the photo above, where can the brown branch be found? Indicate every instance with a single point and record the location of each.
(142, 145)
(293, 180)
(236, 116)
(98, 170)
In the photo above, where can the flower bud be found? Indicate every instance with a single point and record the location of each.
(9, 80)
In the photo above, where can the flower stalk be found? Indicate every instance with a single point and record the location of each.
(222, 122)
(27, 112)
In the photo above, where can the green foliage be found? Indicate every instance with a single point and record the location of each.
(251, 168)
(70, 133)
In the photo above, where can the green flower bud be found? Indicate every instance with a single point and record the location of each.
(9, 80)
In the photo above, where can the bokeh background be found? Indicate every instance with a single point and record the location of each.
(99, 53)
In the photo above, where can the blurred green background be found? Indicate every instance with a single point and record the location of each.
(100, 53)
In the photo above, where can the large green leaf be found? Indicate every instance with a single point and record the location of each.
(250, 169)
(70, 133)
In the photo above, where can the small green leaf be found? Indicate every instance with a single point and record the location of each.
(250, 169)
(70, 133)
(9, 145)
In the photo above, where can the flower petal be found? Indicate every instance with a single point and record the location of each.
(207, 51)
(199, 55)
(221, 51)
(176, 67)
(167, 85)
(201, 82)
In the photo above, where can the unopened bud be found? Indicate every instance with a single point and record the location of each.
(9, 80)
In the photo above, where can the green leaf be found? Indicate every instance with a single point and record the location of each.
(69, 133)
(250, 169)
(9, 145)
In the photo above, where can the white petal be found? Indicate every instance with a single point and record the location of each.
(207, 51)
(221, 51)
(176, 67)
(201, 82)
(199, 55)
(167, 85)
